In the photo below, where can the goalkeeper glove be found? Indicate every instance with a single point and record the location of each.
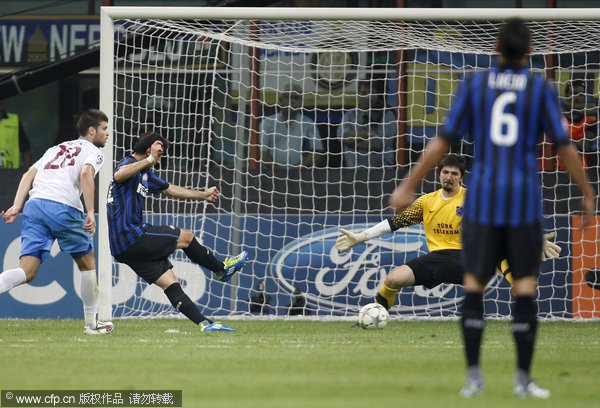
(349, 240)
(550, 249)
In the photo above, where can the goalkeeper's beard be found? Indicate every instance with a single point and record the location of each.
(448, 187)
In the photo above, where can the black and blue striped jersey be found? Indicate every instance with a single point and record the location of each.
(125, 203)
(505, 111)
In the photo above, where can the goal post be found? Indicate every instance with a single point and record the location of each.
(105, 260)
(217, 83)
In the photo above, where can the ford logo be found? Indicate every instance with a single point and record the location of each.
(339, 280)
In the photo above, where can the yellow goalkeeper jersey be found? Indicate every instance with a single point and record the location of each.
(442, 221)
(441, 218)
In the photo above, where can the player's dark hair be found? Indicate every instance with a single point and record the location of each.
(91, 117)
(572, 84)
(146, 140)
(454, 160)
(514, 40)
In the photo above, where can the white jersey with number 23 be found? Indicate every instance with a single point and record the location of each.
(59, 169)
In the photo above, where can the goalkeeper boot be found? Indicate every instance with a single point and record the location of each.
(231, 266)
(530, 389)
(205, 326)
(99, 328)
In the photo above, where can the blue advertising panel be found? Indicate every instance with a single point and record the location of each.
(51, 295)
(286, 252)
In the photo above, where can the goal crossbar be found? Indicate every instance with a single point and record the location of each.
(333, 13)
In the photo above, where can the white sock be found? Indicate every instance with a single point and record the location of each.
(89, 296)
(11, 278)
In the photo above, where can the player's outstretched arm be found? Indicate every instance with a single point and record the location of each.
(24, 186)
(410, 216)
(210, 194)
(349, 239)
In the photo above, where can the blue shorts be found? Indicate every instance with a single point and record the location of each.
(46, 220)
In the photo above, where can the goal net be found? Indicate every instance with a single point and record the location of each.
(306, 123)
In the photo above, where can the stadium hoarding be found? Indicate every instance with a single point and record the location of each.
(30, 40)
(585, 247)
(303, 257)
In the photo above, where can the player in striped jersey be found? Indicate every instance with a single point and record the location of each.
(505, 110)
(441, 213)
(146, 248)
(54, 212)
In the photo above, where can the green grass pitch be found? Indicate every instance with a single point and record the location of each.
(299, 363)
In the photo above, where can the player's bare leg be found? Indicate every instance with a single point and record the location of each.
(31, 265)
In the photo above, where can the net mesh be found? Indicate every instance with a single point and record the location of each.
(306, 126)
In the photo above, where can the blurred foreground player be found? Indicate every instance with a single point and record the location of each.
(505, 110)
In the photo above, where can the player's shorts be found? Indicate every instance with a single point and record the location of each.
(47, 220)
(436, 267)
(149, 256)
(484, 246)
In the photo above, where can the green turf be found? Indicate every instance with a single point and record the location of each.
(298, 363)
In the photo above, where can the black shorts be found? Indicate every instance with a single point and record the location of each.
(149, 256)
(443, 266)
(484, 246)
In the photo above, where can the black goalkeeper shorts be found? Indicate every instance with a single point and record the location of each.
(149, 256)
(484, 246)
(436, 267)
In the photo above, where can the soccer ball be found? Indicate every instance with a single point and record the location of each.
(373, 316)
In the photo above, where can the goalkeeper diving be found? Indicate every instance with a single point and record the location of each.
(441, 214)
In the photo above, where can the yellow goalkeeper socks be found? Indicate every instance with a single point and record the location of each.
(504, 269)
(386, 296)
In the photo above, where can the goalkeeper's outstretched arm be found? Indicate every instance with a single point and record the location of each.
(349, 239)
(410, 216)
